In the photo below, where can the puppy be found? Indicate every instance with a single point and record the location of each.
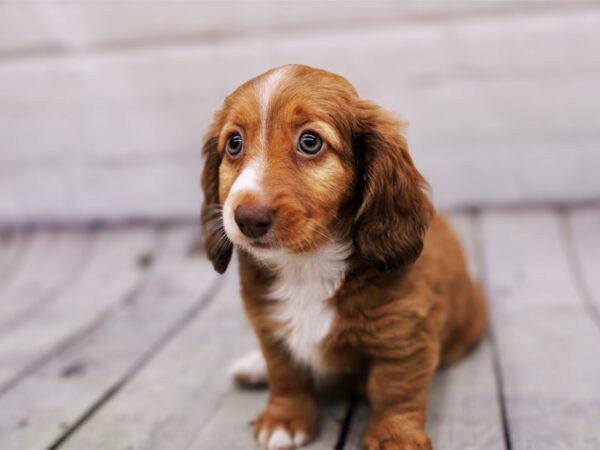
(344, 265)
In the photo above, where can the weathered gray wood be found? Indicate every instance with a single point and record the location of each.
(36, 28)
(114, 117)
(584, 237)
(49, 401)
(464, 407)
(52, 261)
(169, 401)
(200, 408)
(464, 411)
(10, 248)
(464, 226)
(111, 273)
(230, 424)
(546, 339)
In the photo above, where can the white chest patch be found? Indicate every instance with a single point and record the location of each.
(304, 285)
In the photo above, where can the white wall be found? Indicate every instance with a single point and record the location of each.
(103, 105)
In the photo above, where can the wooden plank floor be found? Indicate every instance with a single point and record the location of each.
(120, 338)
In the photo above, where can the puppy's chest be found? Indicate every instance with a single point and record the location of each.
(306, 320)
(303, 308)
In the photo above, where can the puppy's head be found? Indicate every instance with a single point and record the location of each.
(295, 159)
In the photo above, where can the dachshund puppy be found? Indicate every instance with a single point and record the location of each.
(344, 265)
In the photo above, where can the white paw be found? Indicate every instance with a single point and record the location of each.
(280, 439)
(300, 439)
(250, 370)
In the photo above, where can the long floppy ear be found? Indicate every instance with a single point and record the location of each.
(218, 247)
(391, 222)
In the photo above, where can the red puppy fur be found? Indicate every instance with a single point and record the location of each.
(344, 265)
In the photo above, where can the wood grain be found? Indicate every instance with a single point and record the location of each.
(11, 247)
(53, 399)
(464, 407)
(53, 260)
(239, 407)
(152, 372)
(545, 337)
(583, 233)
(167, 403)
(111, 273)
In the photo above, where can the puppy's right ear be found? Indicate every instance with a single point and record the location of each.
(218, 247)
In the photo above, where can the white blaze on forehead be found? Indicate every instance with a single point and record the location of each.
(249, 178)
(266, 89)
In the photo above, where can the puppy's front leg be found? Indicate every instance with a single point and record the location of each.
(397, 391)
(290, 418)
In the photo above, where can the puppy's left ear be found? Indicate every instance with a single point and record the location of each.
(392, 220)
(218, 247)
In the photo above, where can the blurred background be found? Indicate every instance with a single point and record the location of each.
(103, 104)
(115, 332)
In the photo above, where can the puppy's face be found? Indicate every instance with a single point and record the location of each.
(284, 141)
(285, 161)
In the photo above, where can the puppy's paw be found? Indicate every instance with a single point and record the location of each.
(250, 370)
(410, 440)
(282, 433)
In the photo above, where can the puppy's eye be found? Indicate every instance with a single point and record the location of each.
(309, 144)
(234, 145)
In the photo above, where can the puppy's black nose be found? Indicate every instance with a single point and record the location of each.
(254, 220)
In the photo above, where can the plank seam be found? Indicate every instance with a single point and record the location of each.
(185, 320)
(479, 254)
(81, 263)
(211, 414)
(77, 336)
(347, 422)
(574, 263)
